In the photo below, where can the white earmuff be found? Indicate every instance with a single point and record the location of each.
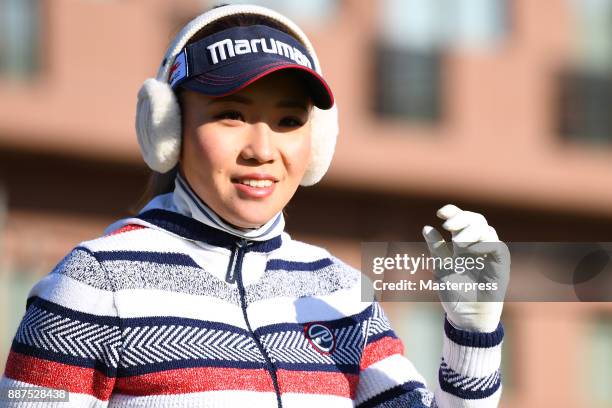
(158, 125)
(324, 131)
(158, 116)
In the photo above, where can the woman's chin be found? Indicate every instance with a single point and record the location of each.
(250, 219)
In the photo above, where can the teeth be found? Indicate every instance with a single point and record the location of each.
(256, 183)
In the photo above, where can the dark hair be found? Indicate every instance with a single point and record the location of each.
(161, 183)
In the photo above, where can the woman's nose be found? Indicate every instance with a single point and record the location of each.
(259, 145)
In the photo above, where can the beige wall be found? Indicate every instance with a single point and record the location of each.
(497, 141)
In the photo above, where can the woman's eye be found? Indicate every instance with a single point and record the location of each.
(233, 115)
(291, 121)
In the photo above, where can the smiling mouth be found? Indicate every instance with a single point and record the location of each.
(256, 183)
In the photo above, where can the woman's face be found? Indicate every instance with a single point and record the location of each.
(245, 154)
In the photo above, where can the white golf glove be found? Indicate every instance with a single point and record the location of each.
(471, 237)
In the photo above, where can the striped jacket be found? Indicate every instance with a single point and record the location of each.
(169, 310)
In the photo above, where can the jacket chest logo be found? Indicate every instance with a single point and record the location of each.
(320, 337)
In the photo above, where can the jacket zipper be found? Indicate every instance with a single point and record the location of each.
(234, 274)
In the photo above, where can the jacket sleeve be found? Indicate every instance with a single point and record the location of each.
(468, 377)
(70, 336)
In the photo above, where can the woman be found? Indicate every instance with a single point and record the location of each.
(202, 299)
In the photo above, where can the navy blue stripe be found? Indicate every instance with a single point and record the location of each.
(332, 324)
(72, 314)
(279, 327)
(466, 393)
(191, 363)
(378, 336)
(393, 393)
(333, 368)
(474, 339)
(166, 258)
(182, 322)
(266, 246)
(281, 264)
(64, 358)
(187, 227)
(191, 228)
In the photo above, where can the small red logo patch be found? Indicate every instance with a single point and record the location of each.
(174, 68)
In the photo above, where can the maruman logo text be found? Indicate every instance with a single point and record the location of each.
(224, 49)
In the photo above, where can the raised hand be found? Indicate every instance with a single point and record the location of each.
(474, 243)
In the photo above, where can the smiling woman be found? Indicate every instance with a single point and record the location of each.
(202, 298)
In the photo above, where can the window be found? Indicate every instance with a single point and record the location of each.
(311, 11)
(593, 23)
(408, 83)
(585, 85)
(584, 106)
(599, 360)
(477, 24)
(464, 24)
(413, 38)
(19, 38)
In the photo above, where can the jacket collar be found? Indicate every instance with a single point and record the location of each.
(183, 213)
(187, 202)
(192, 229)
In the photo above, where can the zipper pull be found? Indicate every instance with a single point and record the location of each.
(235, 261)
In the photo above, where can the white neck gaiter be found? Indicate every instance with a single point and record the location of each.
(185, 201)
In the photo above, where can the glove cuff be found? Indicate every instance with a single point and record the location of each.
(470, 363)
(473, 338)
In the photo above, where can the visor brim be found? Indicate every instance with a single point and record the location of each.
(217, 85)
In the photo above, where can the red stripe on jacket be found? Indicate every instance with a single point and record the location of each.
(202, 379)
(126, 228)
(318, 382)
(379, 350)
(45, 373)
(180, 381)
(198, 379)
